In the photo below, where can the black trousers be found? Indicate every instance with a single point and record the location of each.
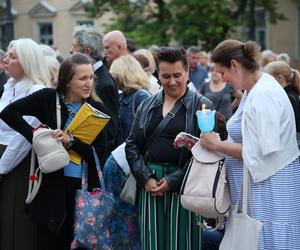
(48, 240)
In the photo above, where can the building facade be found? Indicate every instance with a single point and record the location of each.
(50, 22)
(53, 21)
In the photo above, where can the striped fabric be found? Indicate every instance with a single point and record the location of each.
(275, 201)
(164, 224)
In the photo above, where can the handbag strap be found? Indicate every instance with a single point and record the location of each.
(58, 112)
(84, 179)
(164, 122)
(247, 199)
(35, 176)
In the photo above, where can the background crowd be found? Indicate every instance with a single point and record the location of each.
(151, 95)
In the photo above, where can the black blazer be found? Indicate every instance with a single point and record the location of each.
(107, 90)
(48, 208)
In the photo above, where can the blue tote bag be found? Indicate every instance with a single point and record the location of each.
(92, 214)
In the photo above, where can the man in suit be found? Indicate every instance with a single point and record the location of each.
(90, 42)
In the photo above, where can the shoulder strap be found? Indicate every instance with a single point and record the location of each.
(58, 111)
(35, 176)
(162, 125)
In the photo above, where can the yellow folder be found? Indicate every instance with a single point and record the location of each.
(86, 126)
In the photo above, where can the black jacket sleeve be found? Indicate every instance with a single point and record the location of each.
(134, 149)
(32, 105)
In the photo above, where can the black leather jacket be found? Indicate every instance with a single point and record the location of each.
(137, 138)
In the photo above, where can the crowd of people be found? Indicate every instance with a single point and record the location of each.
(151, 95)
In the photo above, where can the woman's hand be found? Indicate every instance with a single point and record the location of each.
(150, 184)
(209, 140)
(163, 186)
(61, 136)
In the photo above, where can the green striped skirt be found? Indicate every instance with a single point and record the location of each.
(164, 223)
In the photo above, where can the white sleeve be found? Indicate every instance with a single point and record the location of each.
(267, 122)
(16, 150)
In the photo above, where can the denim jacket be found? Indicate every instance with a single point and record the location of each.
(137, 138)
(129, 103)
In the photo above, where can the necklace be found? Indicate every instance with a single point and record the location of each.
(73, 108)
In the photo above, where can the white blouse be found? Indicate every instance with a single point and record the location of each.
(17, 146)
(268, 128)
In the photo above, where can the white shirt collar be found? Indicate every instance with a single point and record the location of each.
(97, 65)
(18, 87)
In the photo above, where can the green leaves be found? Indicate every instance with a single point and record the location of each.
(185, 22)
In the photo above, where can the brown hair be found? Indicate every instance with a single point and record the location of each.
(247, 54)
(291, 76)
(67, 72)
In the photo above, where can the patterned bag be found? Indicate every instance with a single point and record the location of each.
(92, 214)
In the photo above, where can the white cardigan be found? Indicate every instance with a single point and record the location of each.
(268, 129)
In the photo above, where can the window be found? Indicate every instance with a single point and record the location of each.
(2, 35)
(45, 33)
(260, 28)
(260, 32)
(85, 23)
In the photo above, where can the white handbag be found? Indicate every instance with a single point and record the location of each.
(204, 188)
(129, 190)
(50, 153)
(243, 230)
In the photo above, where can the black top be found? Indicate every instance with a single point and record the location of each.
(222, 99)
(162, 150)
(136, 142)
(48, 208)
(295, 101)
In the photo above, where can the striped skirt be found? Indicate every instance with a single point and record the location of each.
(164, 223)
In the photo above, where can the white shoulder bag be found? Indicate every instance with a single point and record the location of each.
(243, 230)
(50, 153)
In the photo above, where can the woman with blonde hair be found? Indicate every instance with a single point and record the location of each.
(289, 79)
(52, 63)
(25, 65)
(134, 83)
(154, 85)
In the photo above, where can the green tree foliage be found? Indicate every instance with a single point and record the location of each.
(185, 22)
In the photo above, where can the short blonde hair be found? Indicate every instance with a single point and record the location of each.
(148, 54)
(53, 67)
(129, 74)
(291, 76)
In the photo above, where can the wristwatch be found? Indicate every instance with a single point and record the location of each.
(70, 144)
